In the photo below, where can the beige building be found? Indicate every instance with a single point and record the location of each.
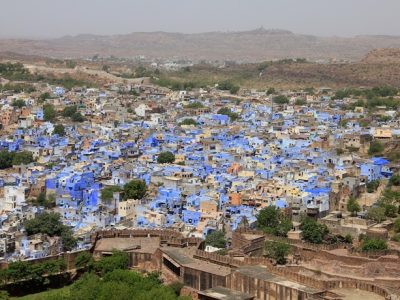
(127, 209)
(383, 133)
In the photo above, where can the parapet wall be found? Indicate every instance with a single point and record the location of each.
(169, 237)
(287, 273)
(68, 257)
(248, 247)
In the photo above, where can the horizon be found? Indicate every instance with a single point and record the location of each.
(46, 19)
(194, 33)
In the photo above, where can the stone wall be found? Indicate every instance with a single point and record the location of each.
(168, 237)
(307, 255)
(262, 290)
(298, 243)
(68, 257)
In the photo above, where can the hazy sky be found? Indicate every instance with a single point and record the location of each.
(56, 18)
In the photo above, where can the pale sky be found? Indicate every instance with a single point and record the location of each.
(56, 18)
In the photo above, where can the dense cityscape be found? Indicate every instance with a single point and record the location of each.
(191, 176)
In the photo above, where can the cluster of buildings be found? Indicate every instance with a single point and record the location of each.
(224, 171)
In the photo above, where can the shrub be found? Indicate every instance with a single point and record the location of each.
(396, 225)
(372, 244)
(376, 213)
(277, 251)
(372, 186)
(353, 206)
(216, 239)
(118, 260)
(272, 221)
(281, 99)
(188, 122)
(375, 148)
(135, 189)
(313, 232)
(166, 157)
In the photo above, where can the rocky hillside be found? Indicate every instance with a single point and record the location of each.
(383, 56)
(248, 46)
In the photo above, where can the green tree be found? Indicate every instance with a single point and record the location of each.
(108, 191)
(118, 260)
(67, 238)
(277, 251)
(390, 210)
(281, 99)
(300, 102)
(372, 186)
(268, 217)
(228, 86)
(6, 159)
(284, 226)
(69, 111)
(41, 199)
(188, 122)
(341, 94)
(135, 189)
(194, 105)
(18, 103)
(353, 206)
(271, 220)
(310, 91)
(87, 287)
(390, 196)
(50, 224)
(49, 112)
(226, 111)
(51, 201)
(376, 213)
(59, 129)
(375, 148)
(372, 244)
(43, 97)
(216, 239)
(166, 157)
(313, 232)
(271, 91)
(84, 260)
(176, 286)
(348, 239)
(77, 117)
(22, 158)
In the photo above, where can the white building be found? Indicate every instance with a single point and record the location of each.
(14, 197)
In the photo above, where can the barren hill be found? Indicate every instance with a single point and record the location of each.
(246, 46)
(383, 56)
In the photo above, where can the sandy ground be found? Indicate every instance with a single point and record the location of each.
(353, 294)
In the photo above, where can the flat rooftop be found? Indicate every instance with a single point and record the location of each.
(354, 294)
(262, 273)
(222, 293)
(250, 236)
(184, 257)
(136, 244)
